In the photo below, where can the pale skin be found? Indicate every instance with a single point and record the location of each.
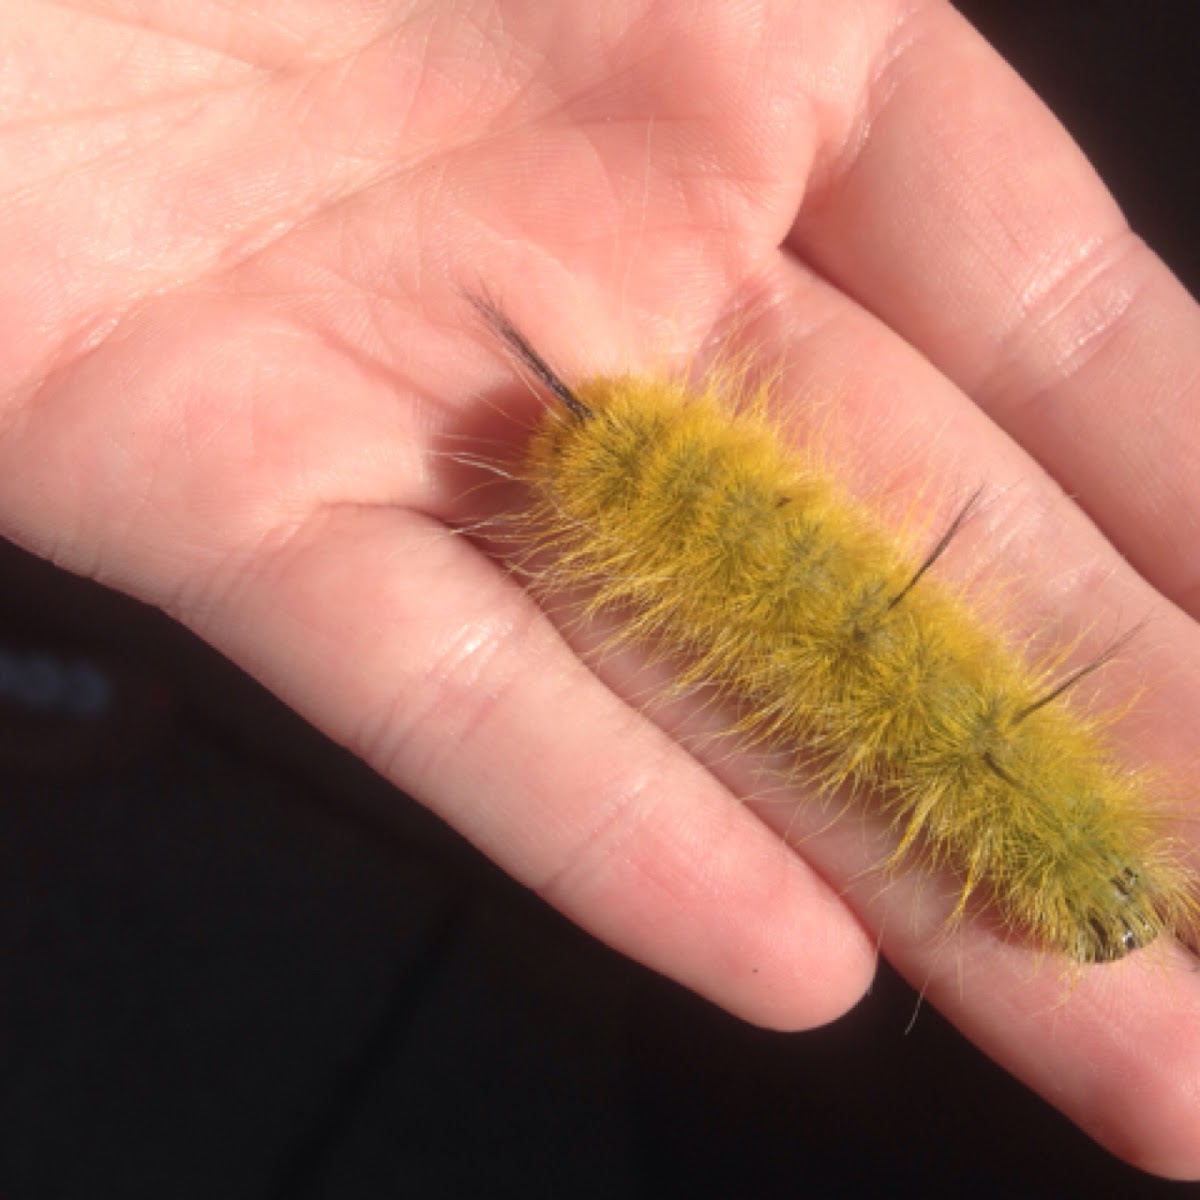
(235, 356)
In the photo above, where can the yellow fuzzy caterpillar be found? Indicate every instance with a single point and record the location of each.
(680, 508)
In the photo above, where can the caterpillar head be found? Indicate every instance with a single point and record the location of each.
(1127, 922)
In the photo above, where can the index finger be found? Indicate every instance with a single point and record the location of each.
(969, 221)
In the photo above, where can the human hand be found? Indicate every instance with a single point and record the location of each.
(233, 349)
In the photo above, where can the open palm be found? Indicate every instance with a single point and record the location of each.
(234, 349)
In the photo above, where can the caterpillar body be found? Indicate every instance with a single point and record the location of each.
(679, 507)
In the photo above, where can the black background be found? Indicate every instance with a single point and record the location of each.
(233, 963)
